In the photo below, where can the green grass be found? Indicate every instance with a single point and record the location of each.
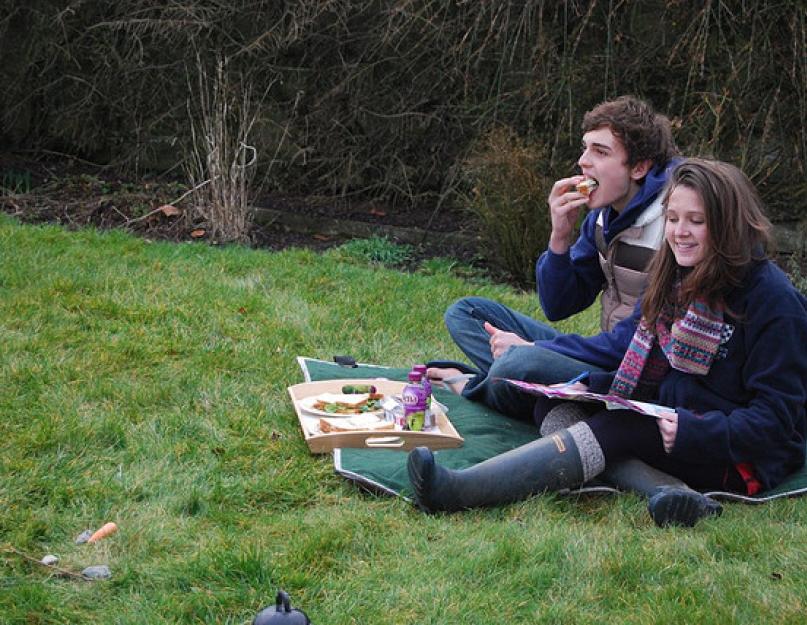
(145, 383)
(379, 250)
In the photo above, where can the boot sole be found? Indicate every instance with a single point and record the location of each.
(681, 507)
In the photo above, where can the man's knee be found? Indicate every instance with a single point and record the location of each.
(463, 309)
(520, 362)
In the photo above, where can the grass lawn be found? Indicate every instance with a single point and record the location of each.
(145, 383)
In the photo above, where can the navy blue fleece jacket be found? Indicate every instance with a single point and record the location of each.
(568, 283)
(750, 407)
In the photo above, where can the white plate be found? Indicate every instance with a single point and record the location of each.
(307, 404)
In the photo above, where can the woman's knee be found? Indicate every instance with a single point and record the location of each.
(624, 433)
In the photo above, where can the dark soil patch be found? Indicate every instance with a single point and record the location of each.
(76, 194)
(330, 222)
(405, 216)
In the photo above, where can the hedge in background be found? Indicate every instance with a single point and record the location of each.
(384, 99)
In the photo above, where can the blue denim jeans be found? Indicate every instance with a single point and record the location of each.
(465, 322)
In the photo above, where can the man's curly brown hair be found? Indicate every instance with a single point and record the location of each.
(644, 133)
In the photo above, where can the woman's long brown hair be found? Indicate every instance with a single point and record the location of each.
(738, 231)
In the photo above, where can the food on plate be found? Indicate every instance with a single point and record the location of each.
(586, 186)
(355, 424)
(346, 403)
(350, 389)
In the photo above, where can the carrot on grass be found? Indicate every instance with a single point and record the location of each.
(102, 532)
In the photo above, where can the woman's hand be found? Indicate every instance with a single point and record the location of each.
(668, 426)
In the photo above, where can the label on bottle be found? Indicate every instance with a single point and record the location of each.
(414, 401)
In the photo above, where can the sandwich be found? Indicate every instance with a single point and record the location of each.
(343, 403)
(358, 423)
(586, 186)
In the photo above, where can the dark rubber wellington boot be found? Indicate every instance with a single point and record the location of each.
(670, 501)
(681, 506)
(637, 476)
(556, 462)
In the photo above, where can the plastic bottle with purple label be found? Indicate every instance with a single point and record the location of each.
(414, 401)
(429, 420)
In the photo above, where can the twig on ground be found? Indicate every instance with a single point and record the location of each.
(60, 571)
(189, 191)
(157, 210)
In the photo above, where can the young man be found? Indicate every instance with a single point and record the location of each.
(628, 149)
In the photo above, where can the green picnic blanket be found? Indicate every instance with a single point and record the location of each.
(486, 432)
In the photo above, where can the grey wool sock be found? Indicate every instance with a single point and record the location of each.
(591, 456)
(560, 417)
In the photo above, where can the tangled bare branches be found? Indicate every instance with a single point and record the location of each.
(384, 99)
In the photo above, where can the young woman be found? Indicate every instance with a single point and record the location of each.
(719, 337)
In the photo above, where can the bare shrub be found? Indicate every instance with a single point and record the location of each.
(221, 161)
(510, 185)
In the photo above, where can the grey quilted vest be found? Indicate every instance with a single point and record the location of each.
(624, 263)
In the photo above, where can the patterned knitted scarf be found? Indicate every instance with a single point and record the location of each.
(688, 344)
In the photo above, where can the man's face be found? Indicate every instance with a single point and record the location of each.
(605, 159)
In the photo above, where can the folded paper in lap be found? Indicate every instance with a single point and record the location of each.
(612, 402)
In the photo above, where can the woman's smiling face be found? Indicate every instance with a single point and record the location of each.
(685, 226)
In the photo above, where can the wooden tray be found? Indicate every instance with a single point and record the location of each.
(444, 436)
